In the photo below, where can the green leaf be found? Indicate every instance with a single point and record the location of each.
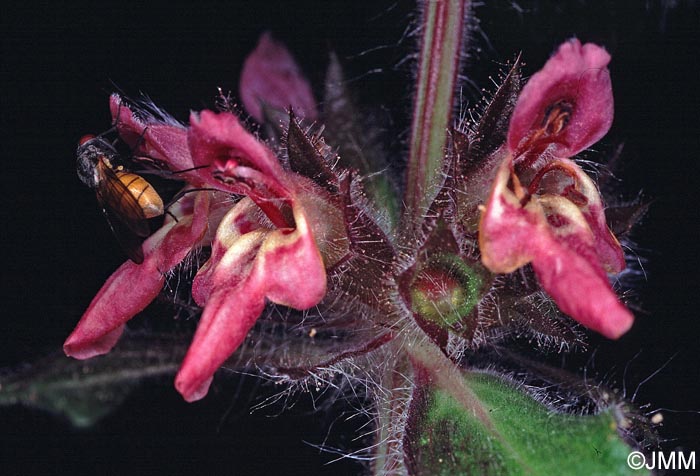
(509, 433)
(85, 391)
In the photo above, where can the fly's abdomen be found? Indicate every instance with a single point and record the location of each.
(148, 199)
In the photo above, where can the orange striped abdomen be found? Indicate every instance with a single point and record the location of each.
(148, 199)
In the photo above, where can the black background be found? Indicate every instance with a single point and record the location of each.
(58, 61)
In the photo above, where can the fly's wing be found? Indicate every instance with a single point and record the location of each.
(123, 213)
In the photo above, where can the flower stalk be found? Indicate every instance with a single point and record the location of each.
(443, 33)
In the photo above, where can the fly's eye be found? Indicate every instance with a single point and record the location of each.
(86, 138)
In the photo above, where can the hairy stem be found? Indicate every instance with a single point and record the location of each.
(391, 419)
(443, 29)
(435, 368)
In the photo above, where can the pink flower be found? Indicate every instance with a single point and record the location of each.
(254, 256)
(264, 248)
(272, 78)
(543, 209)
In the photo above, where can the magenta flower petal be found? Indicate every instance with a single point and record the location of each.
(552, 233)
(569, 228)
(567, 104)
(580, 289)
(507, 229)
(229, 315)
(580, 189)
(241, 220)
(294, 270)
(565, 259)
(271, 76)
(99, 328)
(133, 286)
(283, 265)
(566, 263)
(151, 137)
(237, 161)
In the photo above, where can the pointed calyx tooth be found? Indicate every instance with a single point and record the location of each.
(308, 156)
(492, 129)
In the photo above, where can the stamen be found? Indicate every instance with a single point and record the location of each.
(556, 117)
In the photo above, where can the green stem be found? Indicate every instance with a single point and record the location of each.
(444, 374)
(391, 408)
(443, 30)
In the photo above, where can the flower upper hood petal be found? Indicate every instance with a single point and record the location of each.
(567, 104)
